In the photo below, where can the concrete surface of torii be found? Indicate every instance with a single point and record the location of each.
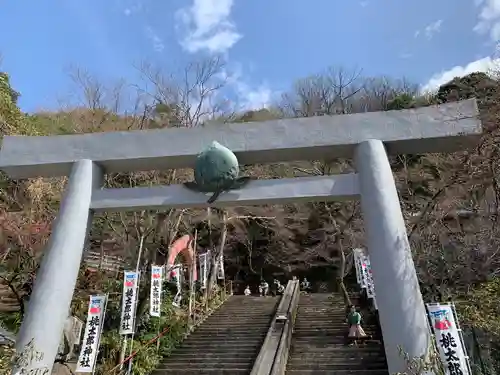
(366, 137)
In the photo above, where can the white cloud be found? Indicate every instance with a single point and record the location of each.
(486, 65)
(158, 44)
(489, 18)
(132, 7)
(405, 55)
(254, 98)
(249, 96)
(432, 29)
(207, 25)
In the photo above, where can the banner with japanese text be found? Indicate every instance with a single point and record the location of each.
(130, 282)
(156, 289)
(448, 339)
(364, 272)
(358, 253)
(175, 276)
(204, 262)
(220, 268)
(367, 269)
(92, 335)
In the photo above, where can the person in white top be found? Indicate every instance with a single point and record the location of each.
(247, 291)
(263, 288)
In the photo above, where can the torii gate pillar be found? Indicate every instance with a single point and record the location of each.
(38, 340)
(402, 313)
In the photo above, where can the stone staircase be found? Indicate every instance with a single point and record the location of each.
(319, 344)
(228, 342)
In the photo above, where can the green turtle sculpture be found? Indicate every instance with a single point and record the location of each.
(216, 170)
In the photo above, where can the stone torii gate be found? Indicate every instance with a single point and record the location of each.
(366, 137)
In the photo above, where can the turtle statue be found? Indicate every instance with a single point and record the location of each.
(216, 170)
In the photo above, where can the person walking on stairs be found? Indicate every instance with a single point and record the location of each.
(305, 286)
(263, 288)
(355, 329)
(247, 291)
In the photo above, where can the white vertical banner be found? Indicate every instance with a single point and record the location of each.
(220, 268)
(175, 275)
(155, 293)
(203, 260)
(367, 269)
(357, 264)
(364, 274)
(448, 339)
(92, 335)
(370, 285)
(129, 299)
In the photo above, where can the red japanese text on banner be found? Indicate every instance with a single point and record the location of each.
(156, 290)
(91, 337)
(448, 339)
(130, 281)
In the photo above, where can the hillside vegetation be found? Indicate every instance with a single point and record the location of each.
(450, 202)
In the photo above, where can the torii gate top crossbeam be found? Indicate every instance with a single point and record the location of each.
(444, 128)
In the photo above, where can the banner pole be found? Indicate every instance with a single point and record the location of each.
(137, 266)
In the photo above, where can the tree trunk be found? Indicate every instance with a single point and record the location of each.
(341, 275)
(215, 260)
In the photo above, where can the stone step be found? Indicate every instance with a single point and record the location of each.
(238, 363)
(224, 340)
(325, 342)
(247, 307)
(348, 356)
(328, 323)
(236, 324)
(207, 329)
(327, 338)
(334, 367)
(238, 301)
(220, 338)
(239, 318)
(336, 348)
(211, 355)
(215, 351)
(337, 372)
(336, 330)
(242, 314)
(375, 360)
(240, 321)
(329, 328)
(204, 371)
(223, 345)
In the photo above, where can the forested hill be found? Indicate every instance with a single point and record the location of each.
(450, 201)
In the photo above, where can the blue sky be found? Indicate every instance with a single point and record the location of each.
(266, 44)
